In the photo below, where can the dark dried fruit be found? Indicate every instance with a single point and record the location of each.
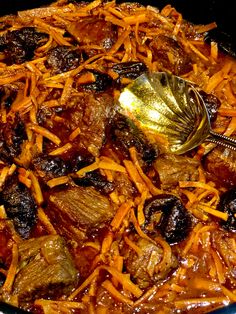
(129, 70)
(175, 221)
(124, 134)
(227, 205)
(12, 135)
(63, 59)
(94, 178)
(19, 45)
(19, 205)
(212, 104)
(50, 167)
(101, 82)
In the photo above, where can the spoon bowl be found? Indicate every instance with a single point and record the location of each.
(171, 106)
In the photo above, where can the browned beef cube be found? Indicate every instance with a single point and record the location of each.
(45, 268)
(84, 207)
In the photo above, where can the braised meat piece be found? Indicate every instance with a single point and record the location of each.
(91, 113)
(172, 169)
(221, 164)
(12, 135)
(144, 268)
(170, 55)
(19, 45)
(227, 204)
(93, 31)
(83, 206)
(45, 269)
(124, 134)
(166, 214)
(20, 205)
(63, 58)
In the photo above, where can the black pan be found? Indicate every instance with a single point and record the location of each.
(196, 11)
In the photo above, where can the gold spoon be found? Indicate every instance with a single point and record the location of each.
(171, 106)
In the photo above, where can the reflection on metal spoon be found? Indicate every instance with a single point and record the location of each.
(171, 106)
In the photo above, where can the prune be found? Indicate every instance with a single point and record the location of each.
(20, 205)
(2, 279)
(101, 82)
(63, 59)
(50, 167)
(129, 70)
(12, 135)
(19, 45)
(227, 204)
(7, 95)
(212, 104)
(124, 134)
(175, 222)
(94, 178)
(83, 159)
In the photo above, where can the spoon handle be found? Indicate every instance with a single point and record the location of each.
(222, 140)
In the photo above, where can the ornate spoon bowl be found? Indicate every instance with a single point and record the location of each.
(171, 106)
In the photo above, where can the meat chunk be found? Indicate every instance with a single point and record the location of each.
(84, 206)
(20, 205)
(91, 114)
(62, 59)
(170, 55)
(144, 268)
(94, 31)
(124, 134)
(221, 164)
(19, 45)
(166, 214)
(45, 268)
(172, 169)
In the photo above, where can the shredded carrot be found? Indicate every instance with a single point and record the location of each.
(36, 188)
(44, 132)
(120, 214)
(115, 293)
(7, 286)
(61, 150)
(45, 220)
(57, 181)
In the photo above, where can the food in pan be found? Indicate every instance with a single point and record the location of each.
(96, 214)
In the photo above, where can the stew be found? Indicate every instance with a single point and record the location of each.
(96, 215)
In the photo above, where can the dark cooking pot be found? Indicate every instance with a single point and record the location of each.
(198, 11)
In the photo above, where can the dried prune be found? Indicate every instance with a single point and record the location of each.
(20, 205)
(12, 135)
(212, 104)
(94, 178)
(63, 59)
(129, 70)
(175, 222)
(19, 45)
(227, 204)
(124, 134)
(101, 82)
(50, 167)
